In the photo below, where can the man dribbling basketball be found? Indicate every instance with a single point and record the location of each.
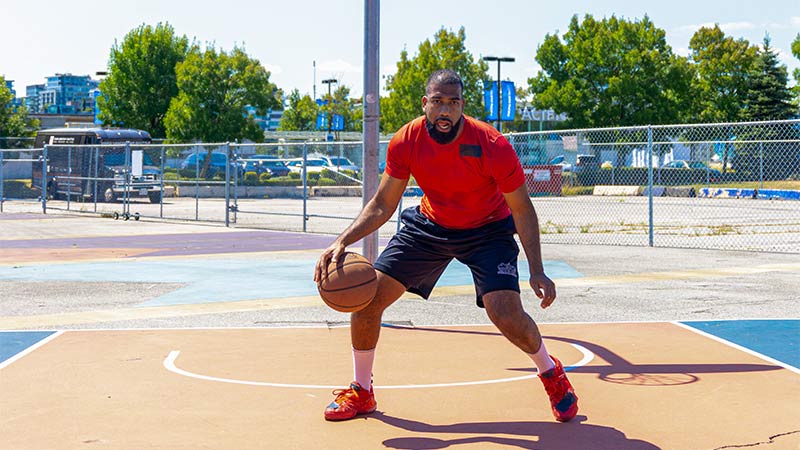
(475, 200)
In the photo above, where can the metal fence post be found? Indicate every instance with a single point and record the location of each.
(305, 187)
(197, 184)
(126, 196)
(44, 180)
(96, 173)
(2, 194)
(761, 165)
(650, 183)
(228, 184)
(69, 176)
(161, 200)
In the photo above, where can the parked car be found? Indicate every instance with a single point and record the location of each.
(313, 165)
(275, 167)
(713, 174)
(587, 162)
(341, 163)
(216, 165)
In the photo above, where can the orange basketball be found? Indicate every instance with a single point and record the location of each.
(350, 285)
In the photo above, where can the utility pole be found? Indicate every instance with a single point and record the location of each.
(499, 59)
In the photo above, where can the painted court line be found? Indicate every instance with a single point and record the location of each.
(30, 349)
(169, 364)
(739, 347)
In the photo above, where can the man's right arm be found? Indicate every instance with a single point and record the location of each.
(376, 212)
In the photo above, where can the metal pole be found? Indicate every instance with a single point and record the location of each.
(44, 180)
(161, 201)
(305, 188)
(2, 196)
(69, 176)
(197, 184)
(371, 145)
(499, 99)
(96, 173)
(126, 196)
(228, 184)
(761, 165)
(650, 183)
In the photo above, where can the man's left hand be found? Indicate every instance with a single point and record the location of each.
(544, 288)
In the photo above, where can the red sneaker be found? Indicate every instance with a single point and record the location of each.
(562, 396)
(351, 402)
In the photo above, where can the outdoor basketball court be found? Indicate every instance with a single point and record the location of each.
(154, 335)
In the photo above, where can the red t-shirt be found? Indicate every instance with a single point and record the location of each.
(463, 181)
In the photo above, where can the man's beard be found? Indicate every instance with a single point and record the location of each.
(438, 136)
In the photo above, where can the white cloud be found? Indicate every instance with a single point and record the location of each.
(533, 70)
(726, 27)
(338, 66)
(682, 51)
(273, 69)
(794, 21)
(736, 26)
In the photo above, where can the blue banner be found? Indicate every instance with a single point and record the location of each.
(490, 100)
(337, 124)
(322, 121)
(509, 101)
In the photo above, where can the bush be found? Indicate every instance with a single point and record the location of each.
(264, 177)
(250, 179)
(171, 175)
(324, 181)
(294, 175)
(284, 181)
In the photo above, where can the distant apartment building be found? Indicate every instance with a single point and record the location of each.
(267, 122)
(63, 93)
(15, 102)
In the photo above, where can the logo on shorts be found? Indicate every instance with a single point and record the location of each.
(506, 269)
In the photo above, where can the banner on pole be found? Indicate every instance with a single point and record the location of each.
(490, 100)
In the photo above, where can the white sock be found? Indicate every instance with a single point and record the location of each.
(542, 359)
(362, 366)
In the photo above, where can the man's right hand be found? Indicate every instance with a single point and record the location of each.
(330, 254)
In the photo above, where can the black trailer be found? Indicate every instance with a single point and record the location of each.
(85, 163)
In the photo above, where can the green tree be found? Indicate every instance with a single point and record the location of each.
(142, 81)
(301, 114)
(14, 121)
(214, 88)
(344, 106)
(612, 72)
(768, 96)
(407, 87)
(724, 66)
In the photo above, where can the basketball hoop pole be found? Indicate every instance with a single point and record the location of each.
(371, 144)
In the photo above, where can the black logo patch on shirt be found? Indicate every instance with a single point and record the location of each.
(470, 150)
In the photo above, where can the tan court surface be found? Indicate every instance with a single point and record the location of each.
(647, 386)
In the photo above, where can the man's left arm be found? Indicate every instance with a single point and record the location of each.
(527, 225)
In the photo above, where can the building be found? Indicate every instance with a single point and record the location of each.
(268, 122)
(15, 102)
(63, 93)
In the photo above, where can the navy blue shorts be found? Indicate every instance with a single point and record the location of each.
(418, 254)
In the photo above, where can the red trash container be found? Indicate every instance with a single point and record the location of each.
(543, 179)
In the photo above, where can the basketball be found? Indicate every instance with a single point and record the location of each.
(350, 285)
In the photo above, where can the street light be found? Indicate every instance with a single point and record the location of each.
(499, 87)
(330, 81)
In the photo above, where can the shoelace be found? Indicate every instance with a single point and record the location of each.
(344, 393)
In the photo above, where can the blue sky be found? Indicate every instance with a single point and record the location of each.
(47, 36)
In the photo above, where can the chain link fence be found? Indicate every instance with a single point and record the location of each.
(719, 186)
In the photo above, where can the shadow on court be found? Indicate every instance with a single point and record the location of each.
(574, 435)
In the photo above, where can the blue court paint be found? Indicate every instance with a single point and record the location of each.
(220, 280)
(778, 339)
(13, 342)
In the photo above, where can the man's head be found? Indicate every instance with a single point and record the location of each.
(443, 105)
